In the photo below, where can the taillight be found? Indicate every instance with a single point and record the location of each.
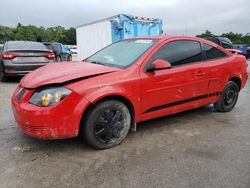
(8, 55)
(50, 55)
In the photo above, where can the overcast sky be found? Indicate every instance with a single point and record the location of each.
(189, 17)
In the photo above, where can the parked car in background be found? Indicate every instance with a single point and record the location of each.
(73, 49)
(1, 48)
(62, 53)
(248, 51)
(243, 48)
(222, 41)
(22, 57)
(227, 44)
(130, 81)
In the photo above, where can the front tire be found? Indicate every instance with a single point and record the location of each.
(228, 97)
(107, 124)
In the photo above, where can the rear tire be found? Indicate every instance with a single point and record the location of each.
(228, 98)
(58, 59)
(106, 125)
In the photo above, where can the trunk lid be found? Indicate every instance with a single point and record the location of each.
(29, 57)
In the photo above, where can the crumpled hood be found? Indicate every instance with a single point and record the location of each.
(57, 73)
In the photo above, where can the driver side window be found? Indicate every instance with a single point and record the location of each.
(179, 52)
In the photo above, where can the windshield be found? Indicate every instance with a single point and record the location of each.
(121, 54)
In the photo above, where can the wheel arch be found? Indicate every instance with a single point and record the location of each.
(117, 97)
(237, 80)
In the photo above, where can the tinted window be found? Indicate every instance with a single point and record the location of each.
(226, 45)
(214, 39)
(25, 45)
(225, 40)
(213, 53)
(180, 52)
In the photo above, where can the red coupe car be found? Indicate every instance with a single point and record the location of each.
(130, 81)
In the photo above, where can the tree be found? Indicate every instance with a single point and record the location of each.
(236, 38)
(71, 35)
(206, 34)
(6, 34)
(40, 34)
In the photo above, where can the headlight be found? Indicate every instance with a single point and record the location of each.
(49, 96)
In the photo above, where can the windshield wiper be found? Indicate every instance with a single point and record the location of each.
(97, 62)
(104, 64)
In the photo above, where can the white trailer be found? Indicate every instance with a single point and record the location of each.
(94, 36)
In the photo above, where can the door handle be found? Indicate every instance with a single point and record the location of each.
(199, 73)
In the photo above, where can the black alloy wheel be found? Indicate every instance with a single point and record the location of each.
(228, 98)
(109, 126)
(106, 124)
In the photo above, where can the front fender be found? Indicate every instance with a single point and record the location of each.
(132, 94)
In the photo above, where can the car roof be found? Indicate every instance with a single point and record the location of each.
(159, 37)
(50, 43)
(167, 37)
(21, 42)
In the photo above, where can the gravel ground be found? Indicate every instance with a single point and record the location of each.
(198, 148)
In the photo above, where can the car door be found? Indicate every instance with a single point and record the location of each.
(181, 87)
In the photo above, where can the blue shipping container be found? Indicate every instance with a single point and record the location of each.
(93, 36)
(127, 26)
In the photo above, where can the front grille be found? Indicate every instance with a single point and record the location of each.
(36, 129)
(20, 93)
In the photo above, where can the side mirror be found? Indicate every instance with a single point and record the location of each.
(158, 64)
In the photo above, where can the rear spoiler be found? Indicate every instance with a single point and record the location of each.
(234, 51)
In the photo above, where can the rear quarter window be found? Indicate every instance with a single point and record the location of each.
(226, 45)
(213, 53)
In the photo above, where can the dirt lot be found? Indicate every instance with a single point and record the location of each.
(198, 148)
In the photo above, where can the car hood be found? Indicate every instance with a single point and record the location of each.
(58, 73)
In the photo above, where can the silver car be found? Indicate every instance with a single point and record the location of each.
(1, 48)
(22, 57)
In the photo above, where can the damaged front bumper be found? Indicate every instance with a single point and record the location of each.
(54, 122)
